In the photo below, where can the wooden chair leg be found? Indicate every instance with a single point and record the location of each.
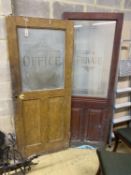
(116, 143)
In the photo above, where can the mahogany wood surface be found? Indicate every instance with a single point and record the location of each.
(91, 117)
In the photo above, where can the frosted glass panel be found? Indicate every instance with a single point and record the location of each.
(92, 57)
(41, 58)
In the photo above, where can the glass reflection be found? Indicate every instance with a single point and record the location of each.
(41, 58)
(92, 57)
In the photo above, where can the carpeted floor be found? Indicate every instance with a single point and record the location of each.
(72, 161)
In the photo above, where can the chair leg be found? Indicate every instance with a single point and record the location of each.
(116, 143)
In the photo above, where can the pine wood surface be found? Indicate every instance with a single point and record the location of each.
(42, 117)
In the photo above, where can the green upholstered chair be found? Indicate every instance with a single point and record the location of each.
(123, 134)
(112, 163)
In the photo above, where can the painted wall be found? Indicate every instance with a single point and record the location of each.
(47, 9)
(6, 106)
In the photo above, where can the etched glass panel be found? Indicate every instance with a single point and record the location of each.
(92, 57)
(42, 53)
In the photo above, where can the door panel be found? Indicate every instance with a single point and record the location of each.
(40, 60)
(56, 122)
(95, 124)
(92, 58)
(76, 123)
(31, 120)
(90, 121)
(96, 50)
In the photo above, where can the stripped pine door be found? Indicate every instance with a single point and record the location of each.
(40, 53)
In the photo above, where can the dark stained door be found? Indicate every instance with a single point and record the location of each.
(96, 50)
(40, 53)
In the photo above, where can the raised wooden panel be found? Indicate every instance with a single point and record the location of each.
(32, 123)
(93, 129)
(56, 119)
(89, 120)
(76, 114)
(44, 120)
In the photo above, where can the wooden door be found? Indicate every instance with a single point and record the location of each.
(40, 53)
(96, 50)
